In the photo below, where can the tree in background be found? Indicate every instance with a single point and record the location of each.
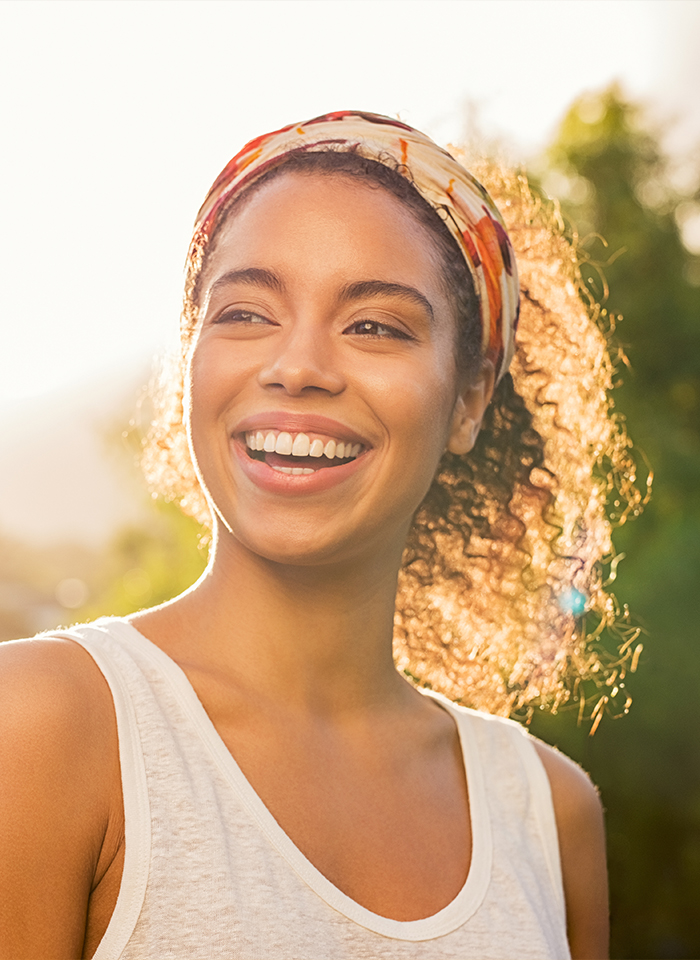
(615, 184)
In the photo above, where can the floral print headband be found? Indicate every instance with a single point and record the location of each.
(469, 212)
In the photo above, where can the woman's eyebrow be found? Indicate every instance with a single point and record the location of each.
(254, 276)
(381, 288)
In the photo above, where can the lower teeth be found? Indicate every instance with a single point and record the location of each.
(296, 471)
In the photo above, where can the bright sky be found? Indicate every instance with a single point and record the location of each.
(117, 117)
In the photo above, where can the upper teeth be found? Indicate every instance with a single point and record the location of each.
(299, 445)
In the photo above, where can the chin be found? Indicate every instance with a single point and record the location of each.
(302, 544)
(280, 542)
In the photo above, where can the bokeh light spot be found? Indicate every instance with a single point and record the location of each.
(573, 601)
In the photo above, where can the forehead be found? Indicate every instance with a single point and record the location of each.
(320, 224)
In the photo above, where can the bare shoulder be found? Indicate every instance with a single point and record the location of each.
(46, 658)
(60, 767)
(581, 830)
(54, 698)
(576, 799)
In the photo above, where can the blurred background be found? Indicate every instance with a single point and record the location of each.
(116, 118)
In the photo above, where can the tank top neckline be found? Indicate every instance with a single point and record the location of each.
(449, 918)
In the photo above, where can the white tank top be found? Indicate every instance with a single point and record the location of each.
(210, 874)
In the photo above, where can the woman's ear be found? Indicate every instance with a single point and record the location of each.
(469, 409)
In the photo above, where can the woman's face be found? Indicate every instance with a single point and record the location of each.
(322, 382)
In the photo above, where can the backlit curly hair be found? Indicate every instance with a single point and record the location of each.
(501, 595)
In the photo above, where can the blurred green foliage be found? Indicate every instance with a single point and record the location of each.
(616, 184)
(155, 559)
(29, 579)
(42, 588)
(149, 563)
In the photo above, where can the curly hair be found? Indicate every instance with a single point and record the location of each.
(501, 594)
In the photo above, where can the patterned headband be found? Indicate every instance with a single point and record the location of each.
(469, 212)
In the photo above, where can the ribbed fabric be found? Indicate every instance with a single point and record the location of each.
(210, 875)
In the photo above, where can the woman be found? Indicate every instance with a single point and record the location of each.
(242, 772)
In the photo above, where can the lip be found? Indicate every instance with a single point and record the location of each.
(300, 423)
(264, 477)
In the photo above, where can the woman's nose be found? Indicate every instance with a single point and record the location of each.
(303, 359)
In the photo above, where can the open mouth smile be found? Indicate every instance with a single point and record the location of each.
(299, 453)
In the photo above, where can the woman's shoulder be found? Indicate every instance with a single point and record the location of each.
(573, 792)
(50, 678)
(580, 829)
(57, 716)
(578, 813)
(59, 791)
(575, 798)
(569, 782)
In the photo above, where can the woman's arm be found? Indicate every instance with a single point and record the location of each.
(58, 763)
(581, 830)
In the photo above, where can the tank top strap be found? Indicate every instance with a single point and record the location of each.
(124, 678)
(516, 784)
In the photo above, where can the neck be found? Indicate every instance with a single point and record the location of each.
(318, 636)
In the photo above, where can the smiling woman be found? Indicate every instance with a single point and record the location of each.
(253, 775)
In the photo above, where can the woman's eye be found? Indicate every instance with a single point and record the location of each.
(241, 316)
(373, 328)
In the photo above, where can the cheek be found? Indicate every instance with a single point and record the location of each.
(433, 392)
(216, 372)
(208, 387)
(418, 407)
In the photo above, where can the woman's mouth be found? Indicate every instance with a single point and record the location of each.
(299, 453)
